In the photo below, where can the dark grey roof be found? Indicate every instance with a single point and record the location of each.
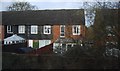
(42, 17)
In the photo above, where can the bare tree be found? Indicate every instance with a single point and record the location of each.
(99, 27)
(21, 6)
(91, 7)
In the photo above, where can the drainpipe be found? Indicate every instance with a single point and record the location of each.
(28, 32)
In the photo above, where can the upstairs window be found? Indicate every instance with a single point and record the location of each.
(47, 29)
(21, 29)
(76, 29)
(9, 29)
(62, 31)
(34, 29)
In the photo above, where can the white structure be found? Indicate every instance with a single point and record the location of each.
(41, 43)
(13, 39)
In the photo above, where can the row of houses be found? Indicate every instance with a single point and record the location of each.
(43, 27)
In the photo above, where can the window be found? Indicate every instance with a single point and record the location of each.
(21, 29)
(62, 31)
(47, 29)
(43, 43)
(76, 29)
(34, 29)
(9, 29)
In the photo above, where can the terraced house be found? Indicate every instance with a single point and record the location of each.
(43, 27)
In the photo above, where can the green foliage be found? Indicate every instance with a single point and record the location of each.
(36, 44)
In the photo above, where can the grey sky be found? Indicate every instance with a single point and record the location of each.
(48, 5)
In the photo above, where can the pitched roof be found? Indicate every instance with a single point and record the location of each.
(42, 17)
(14, 38)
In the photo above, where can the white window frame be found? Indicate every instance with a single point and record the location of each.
(9, 29)
(78, 26)
(21, 29)
(34, 27)
(62, 32)
(47, 28)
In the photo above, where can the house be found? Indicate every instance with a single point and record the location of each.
(66, 36)
(43, 27)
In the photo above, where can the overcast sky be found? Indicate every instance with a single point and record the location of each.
(50, 4)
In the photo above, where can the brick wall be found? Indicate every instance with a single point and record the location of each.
(1, 32)
(68, 32)
(56, 32)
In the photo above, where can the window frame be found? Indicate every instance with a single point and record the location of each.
(9, 29)
(61, 31)
(48, 27)
(36, 28)
(21, 29)
(73, 30)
